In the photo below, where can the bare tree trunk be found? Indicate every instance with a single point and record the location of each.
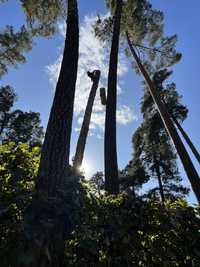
(78, 158)
(3, 124)
(157, 169)
(187, 139)
(185, 135)
(48, 219)
(110, 142)
(182, 152)
(56, 147)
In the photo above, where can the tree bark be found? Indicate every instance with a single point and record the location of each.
(187, 139)
(56, 146)
(48, 218)
(171, 129)
(110, 142)
(78, 158)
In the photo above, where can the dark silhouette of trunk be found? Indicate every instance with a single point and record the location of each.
(185, 135)
(187, 139)
(157, 169)
(78, 158)
(171, 129)
(103, 96)
(48, 218)
(110, 142)
(56, 148)
(3, 124)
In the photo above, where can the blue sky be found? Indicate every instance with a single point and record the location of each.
(35, 91)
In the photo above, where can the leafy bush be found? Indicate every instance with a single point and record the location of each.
(123, 231)
(18, 169)
(104, 230)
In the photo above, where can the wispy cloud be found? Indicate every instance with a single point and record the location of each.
(93, 55)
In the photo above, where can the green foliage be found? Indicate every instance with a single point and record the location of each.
(24, 127)
(13, 45)
(18, 126)
(100, 230)
(124, 231)
(18, 169)
(97, 181)
(145, 27)
(42, 19)
(43, 16)
(153, 150)
(7, 99)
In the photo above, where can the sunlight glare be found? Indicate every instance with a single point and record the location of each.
(86, 168)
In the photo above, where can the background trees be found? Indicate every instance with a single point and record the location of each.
(157, 153)
(59, 218)
(15, 125)
(13, 45)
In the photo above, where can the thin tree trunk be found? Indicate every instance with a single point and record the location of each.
(56, 147)
(157, 169)
(187, 139)
(110, 142)
(185, 135)
(3, 124)
(182, 152)
(78, 158)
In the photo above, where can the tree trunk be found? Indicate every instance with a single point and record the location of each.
(157, 169)
(110, 142)
(185, 135)
(182, 152)
(187, 139)
(56, 146)
(95, 76)
(48, 219)
(3, 124)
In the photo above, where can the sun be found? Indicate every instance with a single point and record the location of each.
(86, 168)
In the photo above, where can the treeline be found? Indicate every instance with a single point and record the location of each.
(49, 214)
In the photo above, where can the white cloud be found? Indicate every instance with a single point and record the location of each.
(93, 55)
(125, 115)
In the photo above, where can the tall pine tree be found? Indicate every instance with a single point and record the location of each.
(157, 153)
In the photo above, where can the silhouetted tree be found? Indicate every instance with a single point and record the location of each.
(56, 147)
(15, 125)
(7, 99)
(181, 150)
(80, 148)
(157, 153)
(110, 145)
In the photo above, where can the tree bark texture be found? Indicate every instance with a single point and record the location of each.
(56, 146)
